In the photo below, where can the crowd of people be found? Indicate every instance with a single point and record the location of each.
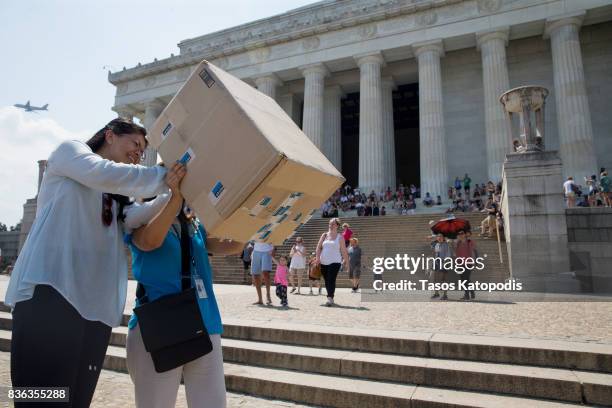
(593, 193)
(404, 199)
(337, 248)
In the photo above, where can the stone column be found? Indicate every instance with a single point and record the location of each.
(152, 110)
(388, 132)
(291, 104)
(332, 124)
(492, 46)
(371, 154)
(573, 113)
(267, 84)
(312, 124)
(432, 139)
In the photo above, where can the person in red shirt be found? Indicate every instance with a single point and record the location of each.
(466, 248)
(347, 233)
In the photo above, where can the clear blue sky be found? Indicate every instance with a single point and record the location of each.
(56, 51)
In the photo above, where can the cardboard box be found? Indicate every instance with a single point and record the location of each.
(252, 173)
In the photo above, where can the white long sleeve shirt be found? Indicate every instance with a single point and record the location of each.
(68, 246)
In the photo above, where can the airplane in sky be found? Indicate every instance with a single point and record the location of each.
(30, 108)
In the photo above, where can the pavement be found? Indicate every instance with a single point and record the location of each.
(573, 321)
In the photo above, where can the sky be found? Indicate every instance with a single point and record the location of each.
(59, 52)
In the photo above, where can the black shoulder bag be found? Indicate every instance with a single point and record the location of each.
(172, 327)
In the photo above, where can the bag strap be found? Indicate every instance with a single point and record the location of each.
(185, 253)
(141, 294)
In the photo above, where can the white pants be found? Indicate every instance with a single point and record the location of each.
(204, 378)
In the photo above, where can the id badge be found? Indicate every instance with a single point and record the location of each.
(199, 284)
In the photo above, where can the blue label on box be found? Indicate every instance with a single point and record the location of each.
(265, 227)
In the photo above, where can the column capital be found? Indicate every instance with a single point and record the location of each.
(372, 57)
(501, 33)
(272, 77)
(334, 90)
(552, 24)
(124, 111)
(154, 104)
(318, 68)
(428, 46)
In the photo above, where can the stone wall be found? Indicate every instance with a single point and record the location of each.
(589, 236)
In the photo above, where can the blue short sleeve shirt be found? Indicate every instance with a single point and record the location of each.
(159, 271)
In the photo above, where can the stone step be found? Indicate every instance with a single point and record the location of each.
(336, 391)
(529, 381)
(595, 357)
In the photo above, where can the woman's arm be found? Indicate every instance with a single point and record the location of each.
(344, 254)
(76, 161)
(319, 248)
(152, 235)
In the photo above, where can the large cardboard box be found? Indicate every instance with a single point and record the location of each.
(252, 173)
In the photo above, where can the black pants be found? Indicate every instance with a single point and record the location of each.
(53, 346)
(466, 277)
(330, 273)
(281, 293)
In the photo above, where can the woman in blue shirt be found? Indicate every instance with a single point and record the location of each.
(156, 264)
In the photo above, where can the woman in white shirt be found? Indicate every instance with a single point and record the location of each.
(69, 284)
(331, 252)
(298, 264)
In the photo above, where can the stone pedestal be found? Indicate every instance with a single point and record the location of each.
(535, 226)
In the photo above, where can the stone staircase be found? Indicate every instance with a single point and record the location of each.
(378, 237)
(350, 367)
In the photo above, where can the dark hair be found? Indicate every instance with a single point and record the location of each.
(120, 127)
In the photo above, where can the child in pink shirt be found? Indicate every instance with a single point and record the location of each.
(280, 279)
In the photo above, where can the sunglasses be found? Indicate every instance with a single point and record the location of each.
(107, 209)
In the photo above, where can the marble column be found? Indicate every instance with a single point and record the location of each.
(573, 113)
(388, 85)
(267, 84)
(492, 46)
(312, 123)
(371, 152)
(153, 109)
(292, 105)
(332, 125)
(432, 139)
